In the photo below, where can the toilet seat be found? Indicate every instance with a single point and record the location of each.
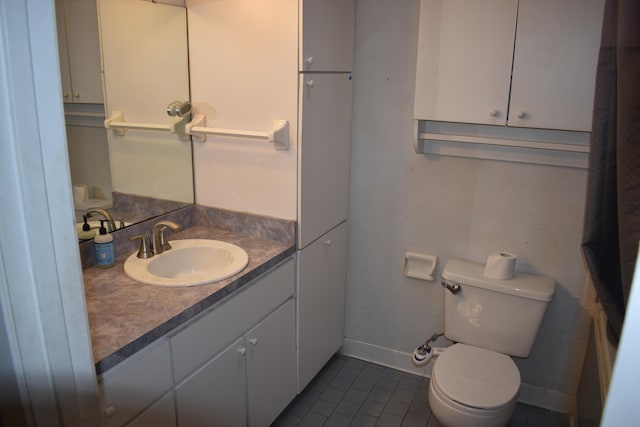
(475, 377)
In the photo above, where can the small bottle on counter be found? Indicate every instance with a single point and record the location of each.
(105, 255)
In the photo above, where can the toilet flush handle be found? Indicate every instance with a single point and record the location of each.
(453, 287)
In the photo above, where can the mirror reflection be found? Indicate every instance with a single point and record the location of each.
(127, 57)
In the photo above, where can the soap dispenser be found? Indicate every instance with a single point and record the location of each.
(105, 255)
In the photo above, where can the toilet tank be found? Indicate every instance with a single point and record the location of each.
(499, 315)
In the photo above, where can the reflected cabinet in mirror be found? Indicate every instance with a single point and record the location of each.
(124, 59)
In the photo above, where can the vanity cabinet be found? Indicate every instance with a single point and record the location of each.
(130, 387)
(234, 365)
(79, 51)
(526, 63)
(252, 380)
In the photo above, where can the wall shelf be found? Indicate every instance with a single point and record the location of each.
(536, 146)
(278, 135)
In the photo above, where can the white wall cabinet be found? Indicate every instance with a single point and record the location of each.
(466, 51)
(235, 365)
(322, 270)
(325, 135)
(327, 29)
(79, 50)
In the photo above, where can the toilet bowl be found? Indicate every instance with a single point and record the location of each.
(473, 387)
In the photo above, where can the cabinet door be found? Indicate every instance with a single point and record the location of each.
(136, 383)
(160, 414)
(83, 45)
(271, 366)
(327, 35)
(323, 191)
(465, 51)
(322, 273)
(215, 395)
(63, 52)
(554, 65)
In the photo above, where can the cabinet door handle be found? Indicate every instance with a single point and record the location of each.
(309, 60)
(242, 351)
(493, 113)
(109, 411)
(253, 341)
(327, 242)
(521, 114)
(310, 83)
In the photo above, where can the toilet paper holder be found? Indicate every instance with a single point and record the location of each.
(420, 266)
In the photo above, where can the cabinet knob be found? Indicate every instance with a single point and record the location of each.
(65, 95)
(309, 60)
(242, 351)
(76, 95)
(521, 114)
(253, 341)
(493, 113)
(327, 242)
(109, 411)
(310, 83)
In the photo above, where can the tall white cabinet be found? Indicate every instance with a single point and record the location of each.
(327, 29)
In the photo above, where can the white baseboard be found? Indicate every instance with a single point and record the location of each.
(529, 394)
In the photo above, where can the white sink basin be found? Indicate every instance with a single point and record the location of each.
(190, 262)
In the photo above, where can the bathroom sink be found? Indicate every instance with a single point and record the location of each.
(190, 262)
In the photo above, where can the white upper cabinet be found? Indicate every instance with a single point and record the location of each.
(326, 35)
(475, 67)
(554, 64)
(79, 50)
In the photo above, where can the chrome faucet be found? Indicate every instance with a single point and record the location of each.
(111, 223)
(157, 232)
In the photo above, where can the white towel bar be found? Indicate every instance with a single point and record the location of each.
(119, 126)
(278, 135)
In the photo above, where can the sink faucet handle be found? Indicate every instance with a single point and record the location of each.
(145, 249)
(160, 244)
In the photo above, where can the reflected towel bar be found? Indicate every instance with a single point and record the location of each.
(119, 126)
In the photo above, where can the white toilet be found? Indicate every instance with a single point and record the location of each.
(474, 382)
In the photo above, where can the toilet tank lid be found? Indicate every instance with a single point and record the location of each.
(523, 285)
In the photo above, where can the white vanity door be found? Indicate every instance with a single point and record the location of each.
(554, 64)
(215, 395)
(465, 50)
(271, 365)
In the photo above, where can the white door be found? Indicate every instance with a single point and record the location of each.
(325, 148)
(554, 65)
(322, 270)
(271, 366)
(465, 51)
(215, 395)
(327, 35)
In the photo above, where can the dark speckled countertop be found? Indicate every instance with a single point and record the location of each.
(125, 315)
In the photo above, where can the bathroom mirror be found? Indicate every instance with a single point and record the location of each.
(136, 174)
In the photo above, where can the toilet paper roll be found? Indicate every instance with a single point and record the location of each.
(80, 192)
(500, 265)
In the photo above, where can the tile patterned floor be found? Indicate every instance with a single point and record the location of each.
(351, 392)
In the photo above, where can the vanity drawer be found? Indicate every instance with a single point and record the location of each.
(130, 387)
(223, 324)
